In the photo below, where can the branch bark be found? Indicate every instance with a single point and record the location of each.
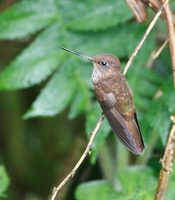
(171, 30)
(167, 163)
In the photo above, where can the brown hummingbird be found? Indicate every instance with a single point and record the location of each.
(115, 98)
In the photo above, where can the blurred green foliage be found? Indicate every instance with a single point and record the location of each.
(141, 187)
(90, 27)
(4, 182)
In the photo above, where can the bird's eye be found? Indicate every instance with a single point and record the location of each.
(104, 63)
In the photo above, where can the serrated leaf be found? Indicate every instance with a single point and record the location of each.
(26, 17)
(35, 63)
(91, 120)
(95, 15)
(4, 181)
(116, 41)
(137, 183)
(57, 94)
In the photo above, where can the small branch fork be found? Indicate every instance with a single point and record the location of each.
(159, 51)
(155, 54)
(88, 147)
(167, 163)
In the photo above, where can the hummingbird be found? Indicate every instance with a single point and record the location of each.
(115, 98)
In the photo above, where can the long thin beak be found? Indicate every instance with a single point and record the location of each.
(77, 53)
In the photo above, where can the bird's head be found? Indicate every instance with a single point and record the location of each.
(103, 63)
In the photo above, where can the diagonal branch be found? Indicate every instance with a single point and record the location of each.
(171, 30)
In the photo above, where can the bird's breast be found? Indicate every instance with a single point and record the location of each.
(113, 91)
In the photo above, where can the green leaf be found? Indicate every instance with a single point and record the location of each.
(57, 94)
(143, 92)
(139, 179)
(169, 95)
(91, 121)
(35, 63)
(96, 190)
(162, 125)
(157, 119)
(81, 103)
(26, 17)
(95, 15)
(137, 183)
(116, 41)
(4, 181)
(166, 109)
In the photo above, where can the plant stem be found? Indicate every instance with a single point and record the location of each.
(167, 163)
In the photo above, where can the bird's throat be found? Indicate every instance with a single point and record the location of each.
(97, 74)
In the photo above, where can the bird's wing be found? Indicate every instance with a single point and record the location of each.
(127, 130)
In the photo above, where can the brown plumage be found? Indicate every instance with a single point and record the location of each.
(115, 98)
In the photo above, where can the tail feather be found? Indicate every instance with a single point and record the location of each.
(134, 130)
(127, 130)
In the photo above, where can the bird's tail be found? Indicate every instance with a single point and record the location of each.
(134, 130)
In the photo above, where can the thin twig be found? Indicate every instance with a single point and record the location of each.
(144, 37)
(171, 30)
(167, 163)
(87, 150)
(71, 174)
(155, 54)
(159, 51)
